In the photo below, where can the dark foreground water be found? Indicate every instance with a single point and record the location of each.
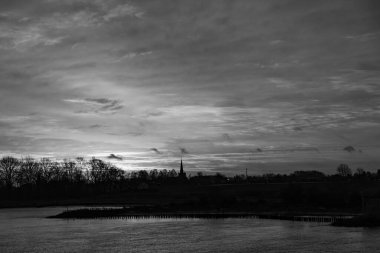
(26, 230)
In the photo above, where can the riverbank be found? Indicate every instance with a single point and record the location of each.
(315, 197)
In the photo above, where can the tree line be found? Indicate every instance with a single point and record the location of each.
(28, 177)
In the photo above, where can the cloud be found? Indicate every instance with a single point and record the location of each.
(97, 105)
(227, 137)
(362, 37)
(130, 55)
(113, 156)
(280, 83)
(20, 39)
(65, 21)
(102, 101)
(156, 150)
(111, 107)
(60, 20)
(183, 151)
(90, 13)
(123, 10)
(349, 149)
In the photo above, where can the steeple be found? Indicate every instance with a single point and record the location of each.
(182, 174)
(181, 169)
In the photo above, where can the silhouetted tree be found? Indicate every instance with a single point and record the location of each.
(97, 168)
(153, 174)
(143, 175)
(8, 170)
(308, 176)
(114, 174)
(163, 174)
(85, 167)
(343, 170)
(173, 173)
(72, 172)
(45, 165)
(29, 172)
(360, 172)
(56, 173)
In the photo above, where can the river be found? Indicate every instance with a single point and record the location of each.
(27, 230)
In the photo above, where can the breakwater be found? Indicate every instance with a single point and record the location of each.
(124, 213)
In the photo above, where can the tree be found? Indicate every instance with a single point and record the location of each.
(8, 170)
(114, 174)
(360, 171)
(163, 174)
(102, 172)
(28, 173)
(172, 173)
(308, 176)
(143, 175)
(153, 174)
(343, 170)
(72, 172)
(45, 165)
(97, 170)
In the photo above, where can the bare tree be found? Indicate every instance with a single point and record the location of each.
(8, 170)
(97, 171)
(28, 172)
(343, 170)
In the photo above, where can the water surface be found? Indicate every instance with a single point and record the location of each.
(27, 230)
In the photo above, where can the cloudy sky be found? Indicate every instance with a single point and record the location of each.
(269, 85)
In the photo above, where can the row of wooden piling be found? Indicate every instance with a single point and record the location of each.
(319, 219)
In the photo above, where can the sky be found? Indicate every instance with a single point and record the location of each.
(273, 86)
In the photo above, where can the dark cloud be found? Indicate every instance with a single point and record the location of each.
(183, 151)
(156, 150)
(227, 137)
(97, 105)
(113, 156)
(102, 101)
(349, 149)
(110, 106)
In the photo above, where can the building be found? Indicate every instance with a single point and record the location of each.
(182, 174)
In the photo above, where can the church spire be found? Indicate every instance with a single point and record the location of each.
(181, 169)
(182, 174)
